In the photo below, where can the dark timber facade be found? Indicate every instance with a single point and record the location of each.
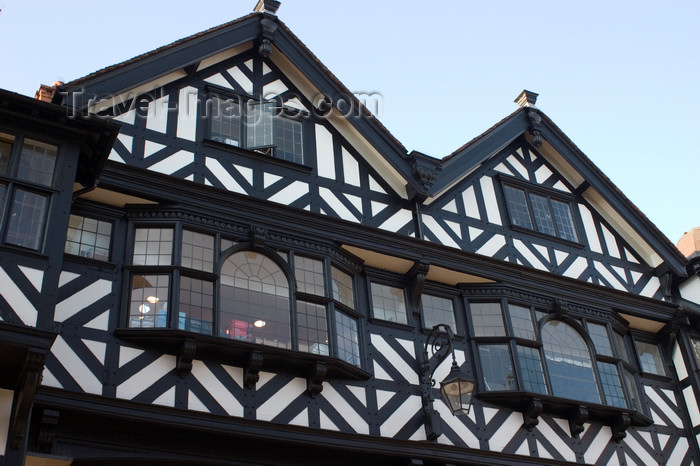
(213, 254)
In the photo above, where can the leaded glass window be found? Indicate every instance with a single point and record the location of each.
(650, 358)
(88, 237)
(437, 310)
(388, 303)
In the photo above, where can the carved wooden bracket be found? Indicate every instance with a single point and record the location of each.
(577, 419)
(47, 430)
(314, 383)
(29, 382)
(535, 127)
(531, 414)
(259, 235)
(416, 281)
(185, 357)
(251, 371)
(561, 306)
(619, 427)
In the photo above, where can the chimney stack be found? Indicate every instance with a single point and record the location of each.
(46, 92)
(526, 99)
(689, 244)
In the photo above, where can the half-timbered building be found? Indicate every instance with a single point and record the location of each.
(212, 253)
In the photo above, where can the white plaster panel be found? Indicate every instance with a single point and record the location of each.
(194, 403)
(600, 267)
(66, 277)
(35, 276)
(76, 367)
(157, 119)
(360, 393)
(474, 233)
(97, 348)
(451, 206)
(216, 389)
(442, 236)
(101, 322)
(339, 403)
(224, 176)
(679, 452)
(326, 423)
(668, 410)
(6, 397)
(82, 299)
(351, 169)
(639, 450)
(542, 174)
(236, 374)
(127, 117)
(377, 207)
(301, 419)
(678, 363)
(291, 193)
(487, 189)
(576, 268)
(269, 179)
(528, 255)
(397, 221)
(167, 398)
(408, 372)
(591, 231)
(651, 287)
(454, 422)
(219, 80)
(127, 354)
(690, 289)
(506, 431)
(492, 246)
(19, 303)
(335, 204)
(241, 79)
(324, 152)
(470, 205)
(692, 404)
(150, 148)
(48, 379)
(114, 156)
(543, 452)
(187, 113)
(503, 169)
(374, 186)
(383, 396)
(400, 417)
(273, 89)
(356, 201)
(284, 397)
(610, 242)
(170, 165)
(146, 377)
(518, 166)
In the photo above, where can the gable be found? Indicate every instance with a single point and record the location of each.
(474, 216)
(168, 130)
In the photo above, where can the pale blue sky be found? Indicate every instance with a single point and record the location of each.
(620, 78)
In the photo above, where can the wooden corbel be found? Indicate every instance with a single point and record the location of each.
(28, 384)
(577, 419)
(619, 427)
(314, 383)
(47, 430)
(251, 371)
(416, 281)
(258, 236)
(531, 414)
(185, 356)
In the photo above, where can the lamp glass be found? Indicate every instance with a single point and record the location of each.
(457, 391)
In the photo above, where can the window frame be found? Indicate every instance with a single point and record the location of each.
(13, 183)
(224, 248)
(551, 195)
(279, 111)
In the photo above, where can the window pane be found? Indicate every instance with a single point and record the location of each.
(599, 335)
(6, 141)
(612, 387)
(564, 220)
(288, 140)
(196, 305)
(226, 121)
(312, 328)
(197, 251)
(650, 358)
(3, 194)
(153, 246)
(388, 303)
(543, 217)
(348, 340)
(635, 401)
(258, 124)
(517, 207)
(696, 348)
(521, 319)
(148, 306)
(497, 367)
(569, 363)
(342, 287)
(309, 275)
(621, 346)
(530, 364)
(437, 310)
(27, 219)
(254, 300)
(88, 237)
(37, 162)
(487, 319)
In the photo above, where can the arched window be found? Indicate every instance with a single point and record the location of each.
(254, 300)
(569, 362)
